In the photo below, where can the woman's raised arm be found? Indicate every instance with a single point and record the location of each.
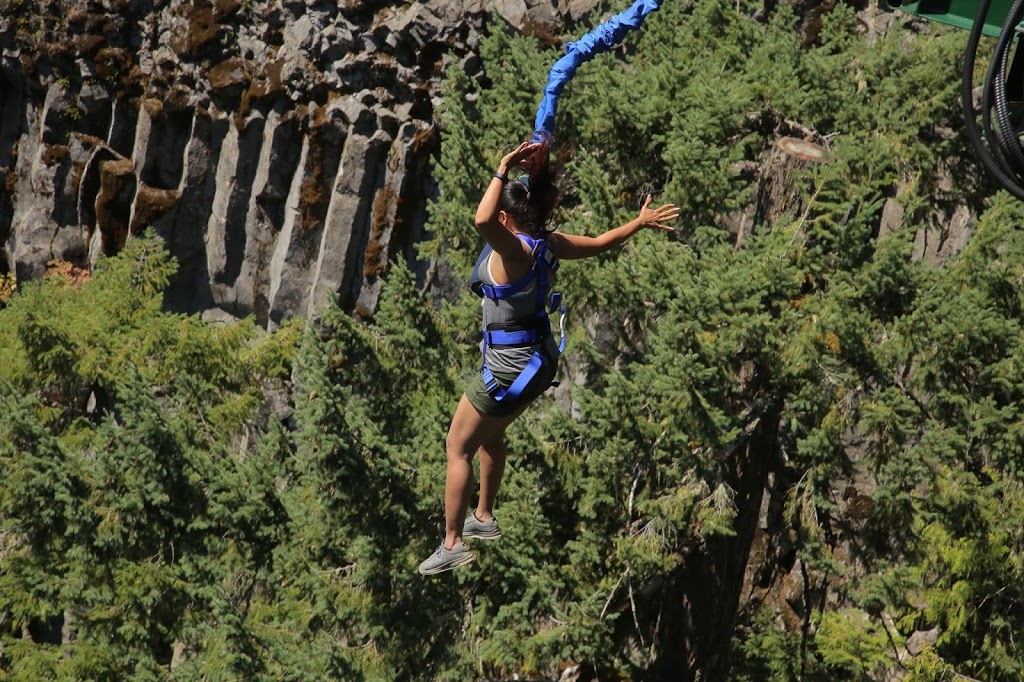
(488, 224)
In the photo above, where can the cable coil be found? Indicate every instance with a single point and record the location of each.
(996, 146)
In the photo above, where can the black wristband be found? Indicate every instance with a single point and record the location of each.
(501, 176)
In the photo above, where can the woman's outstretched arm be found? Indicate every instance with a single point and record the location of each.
(571, 246)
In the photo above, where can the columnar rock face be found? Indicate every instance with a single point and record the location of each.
(280, 148)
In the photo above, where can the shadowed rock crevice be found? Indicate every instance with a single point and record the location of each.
(160, 140)
(12, 116)
(183, 213)
(225, 233)
(690, 613)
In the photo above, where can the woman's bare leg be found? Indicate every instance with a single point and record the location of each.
(492, 465)
(493, 454)
(469, 429)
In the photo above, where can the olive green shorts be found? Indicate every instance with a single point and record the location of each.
(486, 404)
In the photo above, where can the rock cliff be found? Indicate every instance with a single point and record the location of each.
(281, 148)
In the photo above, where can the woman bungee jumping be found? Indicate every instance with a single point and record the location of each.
(513, 276)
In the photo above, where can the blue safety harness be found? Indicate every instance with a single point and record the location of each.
(527, 333)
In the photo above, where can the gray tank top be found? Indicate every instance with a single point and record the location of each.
(520, 308)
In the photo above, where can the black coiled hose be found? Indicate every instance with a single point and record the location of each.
(997, 147)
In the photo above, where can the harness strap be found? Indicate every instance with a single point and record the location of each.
(500, 337)
(502, 291)
(516, 388)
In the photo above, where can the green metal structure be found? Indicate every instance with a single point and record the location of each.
(959, 13)
(992, 130)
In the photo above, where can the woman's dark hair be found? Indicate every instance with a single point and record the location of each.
(531, 198)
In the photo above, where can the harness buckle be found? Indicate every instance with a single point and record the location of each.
(553, 262)
(490, 383)
(556, 302)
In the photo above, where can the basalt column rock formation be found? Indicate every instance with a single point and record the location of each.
(280, 147)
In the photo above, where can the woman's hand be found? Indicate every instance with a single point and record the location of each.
(657, 217)
(518, 155)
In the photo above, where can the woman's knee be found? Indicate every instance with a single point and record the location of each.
(457, 447)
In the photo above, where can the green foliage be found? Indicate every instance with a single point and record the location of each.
(128, 494)
(853, 645)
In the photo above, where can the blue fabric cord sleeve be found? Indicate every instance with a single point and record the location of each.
(601, 39)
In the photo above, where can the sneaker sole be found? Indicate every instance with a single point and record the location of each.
(482, 536)
(461, 561)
